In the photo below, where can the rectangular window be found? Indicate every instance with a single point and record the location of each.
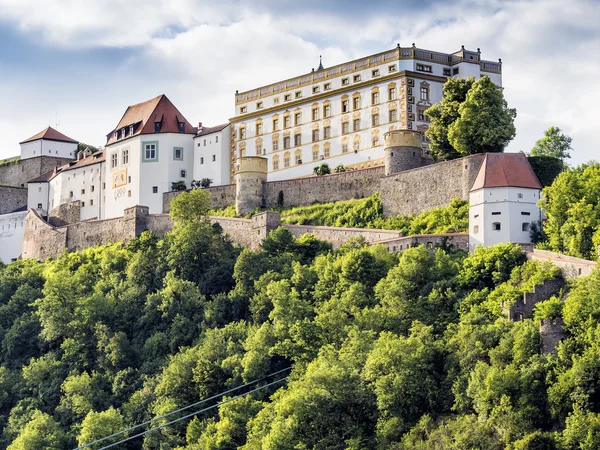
(393, 115)
(82, 204)
(356, 102)
(298, 94)
(496, 226)
(182, 173)
(326, 132)
(286, 122)
(375, 72)
(519, 195)
(356, 124)
(326, 111)
(315, 154)
(421, 115)
(375, 141)
(275, 124)
(259, 129)
(423, 68)
(201, 160)
(356, 146)
(424, 93)
(242, 133)
(243, 109)
(39, 206)
(204, 144)
(345, 128)
(375, 120)
(356, 78)
(297, 139)
(326, 152)
(298, 118)
(259, 105)
(392, 68)
(82, 191)
(276, 101)
(216, 139)
(392, 93)
(455, 71)
(496, 213)
(315, 114)
(157, 127)
(71, 194)
(315, 135)
(345, 147)
(155, 189)
(375, 98)
(286, 161)
(326, 86)
(113, 161)
(286, 142)
(125, 156)
(275, 164)
(150, 151)
(287, 97)
(345, 81)
(446, 72)
(178, 153)
(298, 160)
(316, 89)
(275, 145)
(92, 202)
(345, 106)
(214, 158)
(525, 213)
(92, 188)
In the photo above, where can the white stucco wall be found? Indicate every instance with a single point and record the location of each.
(48, 148)
(145, 175)
(37, 194)
(509, 206)
(211, 156)
(12, 227)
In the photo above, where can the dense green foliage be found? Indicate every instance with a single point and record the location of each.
(546, 168)
(554, 144)
(83, 146)
(8, 161)
(407, 351)
(573, 209)
(368, 213)
(473, 117)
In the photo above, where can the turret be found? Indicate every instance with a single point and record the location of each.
(402, 150)
(249, 184)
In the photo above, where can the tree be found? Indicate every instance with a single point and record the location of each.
(98, 425)
(485, 122)
(323, 169)
(190, 206)
(444, 114)
(41, 433)
(178, 186)
(340, 169)
(201, 184)
(554, 144)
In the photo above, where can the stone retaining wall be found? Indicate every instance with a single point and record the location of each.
(12, 199)
(20, 172)
(338, 236)
(451, 241)
(569, 266)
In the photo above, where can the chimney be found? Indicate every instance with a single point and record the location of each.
(199, 126)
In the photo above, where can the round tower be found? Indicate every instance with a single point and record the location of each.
(249, 184)
(402, 150)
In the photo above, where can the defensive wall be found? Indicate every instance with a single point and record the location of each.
(570, 267)
(220, 197)
(523, 307)
(12, 198)
(19, 172)
(449, 241)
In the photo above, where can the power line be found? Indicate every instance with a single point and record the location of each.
(193, 414)
(184, 408)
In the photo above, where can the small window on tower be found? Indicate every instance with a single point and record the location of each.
(155, 189)
(525, 226)
(496, 226)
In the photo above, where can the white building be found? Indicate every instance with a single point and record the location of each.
(338, 115)
(49, 142)
(12, 227)
(503, 201)
(151, 148)
(212, 153)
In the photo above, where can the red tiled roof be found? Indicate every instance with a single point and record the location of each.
(50, 134)
(209, 130)
(94, 158)
(506, 170)
(143, 116)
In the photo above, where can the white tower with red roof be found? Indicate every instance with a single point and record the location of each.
(49, 142)
(503, 201)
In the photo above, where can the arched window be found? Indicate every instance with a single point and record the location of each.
(356, 143)
(275, 142)
(259, 127)
(298, 157)
(345, 144)
(327, 150)
(286, 159)
(315, 152)
(276, 162)
(345, 104)
(259, 146)
(242, 149)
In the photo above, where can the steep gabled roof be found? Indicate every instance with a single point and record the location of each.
(45, 177)
(50, 134)
(209, 130)
(143, 116)
(506, 170)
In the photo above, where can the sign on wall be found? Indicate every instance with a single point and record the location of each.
(119, 178)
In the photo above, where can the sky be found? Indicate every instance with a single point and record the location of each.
(84, 62)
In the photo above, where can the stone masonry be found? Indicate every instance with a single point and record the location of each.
(20, 172)
(12, 199)
(523, 307)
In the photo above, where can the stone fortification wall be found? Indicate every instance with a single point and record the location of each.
(454, 241)
(12, 199)
(20, 172)
(552, 332)
(428, 187)
(220, 197)
(41, 240)
(324, 189)
(65, 213)
(338, 236)
(569, 266)
(523, 307)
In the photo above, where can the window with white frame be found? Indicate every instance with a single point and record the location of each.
(113, 160)
(150, 151)
(125, 156)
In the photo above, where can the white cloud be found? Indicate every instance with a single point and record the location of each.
(199, 53)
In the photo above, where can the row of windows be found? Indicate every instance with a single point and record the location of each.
(149, 154)
(446, 71)
(214, 158)
(345, 108)
(317, 89)
(497, 226)
(316, 155)
(204, 143)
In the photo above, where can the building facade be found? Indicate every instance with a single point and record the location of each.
(49, 142)
(211, 153)
(150, 149)
(503, 201)
(338, 115)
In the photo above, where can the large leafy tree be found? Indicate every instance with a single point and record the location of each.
(554, 144)
(473, 117)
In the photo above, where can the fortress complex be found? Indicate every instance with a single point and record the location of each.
(339, 114)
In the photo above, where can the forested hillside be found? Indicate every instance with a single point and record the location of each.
(387, 351)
